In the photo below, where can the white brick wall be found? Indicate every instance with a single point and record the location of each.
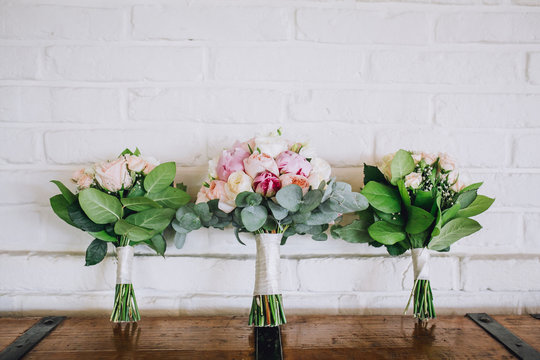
(80, 80)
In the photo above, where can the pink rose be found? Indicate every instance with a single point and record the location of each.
(114, 175)
(135, 163)
(216, 190)
(231, 161)
(77, 175)
(85, 181)
(202, 195)
(302, 181)
(266, 184)
(257, 163)
(289, 162)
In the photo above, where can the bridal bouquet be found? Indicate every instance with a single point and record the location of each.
(274, 189)
(125, 202)
(418, 202)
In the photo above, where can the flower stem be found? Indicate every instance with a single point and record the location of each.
(267, 310)
(125, 305)
(422, 298)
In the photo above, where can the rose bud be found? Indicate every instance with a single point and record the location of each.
(267, 184)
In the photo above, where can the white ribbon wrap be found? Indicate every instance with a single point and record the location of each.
(420, 260)
(267, 270)
(125, 262)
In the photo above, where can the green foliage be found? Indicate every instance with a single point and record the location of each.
(139, 203)
(253, 217)
(66, 193)
(133, 232)
(59, 204)
(372, 173)
(402, 165)
(452, 232)
(95, 252)
(386, 233)
(480, 204)
(418, 220)
(160, 177)
(101, 208)
(290, 197)
(382, 197)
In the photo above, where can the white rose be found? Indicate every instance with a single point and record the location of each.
(385, 164)
(321, 170)
(238, 182)
(271, 145)
(135, 163)
(151, 163)
(308, 151)
(429, 158)
(212, 167)
(446, 162)
(413, 180)
(416, 157)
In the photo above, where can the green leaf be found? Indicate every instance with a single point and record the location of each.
(159, 244)
(290, 197)
(278, 212)
(320, 217)
(474, 186)
(418, 220)
(466, 198)
(66, 193)
(424, 200)
(355, 232)
(136, 191)
(179, 240)
(171, 197)
(397, 249)
(452, 232)
(104, 236)
(402, 165)
(403, 192)
(101, 208)
(190, 221)
(320, 237)
(382, 197)
(254, 217)
(385, 233)
(155, 219)
(80, 220)
(450, 213)
(60, 205)
(372, 173)
(139, 203)
(95, 252)
(311, 201)
(237, 235)
(160, 177)
(132, 232)
(126, 152)
(418, 240)
(391, 218)
(480, 204)
(436, 211)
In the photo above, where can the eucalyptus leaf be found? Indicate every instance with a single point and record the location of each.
(179, 240)
(95, 252)
(139, 203)
(190, 221)
(402, 165)
(254, 217)
(290, 197)
(101, 208)
(311, 200)
(480, 204)
(320, 237)
(385, 233)
(278, 212)
(319, 217)
(237, 235)
(382, 197)
(453, 231)
(160, 177)
(66, 193)
(355, 232)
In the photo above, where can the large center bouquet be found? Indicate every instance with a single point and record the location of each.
(274, 189)
(418, 202)
(125, 202)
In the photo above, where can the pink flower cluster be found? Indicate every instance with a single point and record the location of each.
(114, 175)
(263, 165)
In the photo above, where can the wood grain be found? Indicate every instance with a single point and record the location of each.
(304, 337)
(12, 328)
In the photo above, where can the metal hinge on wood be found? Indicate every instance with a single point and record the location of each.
(514, 344)
(268, 343)
(30, 338)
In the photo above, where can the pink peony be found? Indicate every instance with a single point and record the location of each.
(216, 190)
(302, 181)
(289, 162)
(266, 184)
(257, 163)
(202, 195)
(231, 161)
(114, 175)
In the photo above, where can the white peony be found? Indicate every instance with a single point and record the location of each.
(212, 166)
(271, 145)
(238, 182)
(321, 170)
(413, 180)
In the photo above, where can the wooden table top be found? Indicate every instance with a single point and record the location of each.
(304, 337)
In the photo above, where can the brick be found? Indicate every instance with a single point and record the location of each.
(206, 104)
(19, 146)
(359, 26)
(533, 68)
(19, 63)
(16, 237)
(532, 232)
(359, 106)
(502, 232)
(180, 22)
(61, 22)
(515, 189)
(468, 148)
(79, 146)
(487, 110)
(358, 274)
(526, 2)
(526, 149)
(464, 68)
(123, 63)
(19, 187)
(501, 274)
(495, 28)
(289, 64)
(443, 273)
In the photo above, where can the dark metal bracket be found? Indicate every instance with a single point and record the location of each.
(536, 316)
(30, 338)
(268, 343)
(514, 344)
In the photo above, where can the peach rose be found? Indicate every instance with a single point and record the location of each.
(413, 180)
(302, 181)
(151, 163)
(257, 163)
(113, 175)
(135, 163)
